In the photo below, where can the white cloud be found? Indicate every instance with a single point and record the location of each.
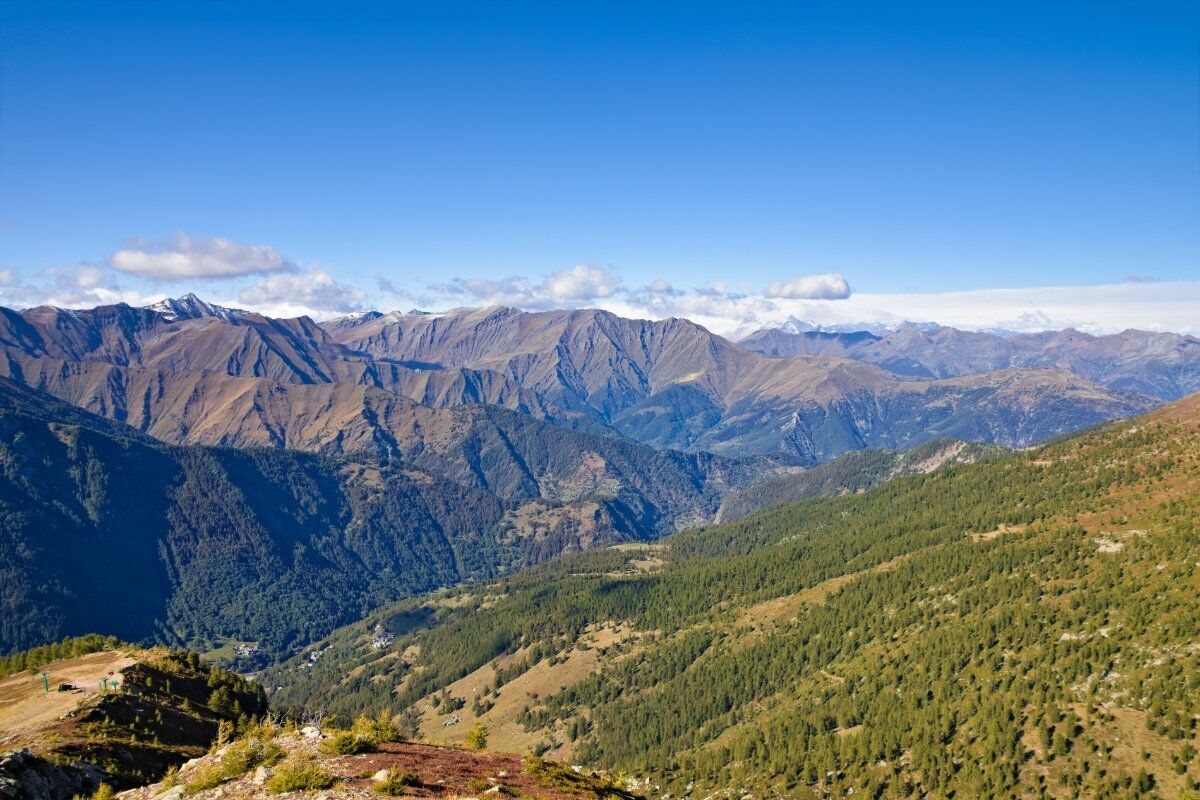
(315, 294)
(387, 287)
(583, 282)
(827, 300)
(580, 285)
(185, 257)
(1161, 306)
(829, 286)
(9, 277)
(82, 286)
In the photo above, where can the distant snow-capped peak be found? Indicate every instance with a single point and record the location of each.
(192, 307)
(796, 325)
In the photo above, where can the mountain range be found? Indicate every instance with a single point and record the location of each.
(1164, 365)
(633, 544)
(105, 527)
(189, 372)
(193, 473)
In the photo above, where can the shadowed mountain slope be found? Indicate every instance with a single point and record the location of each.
(107, 529)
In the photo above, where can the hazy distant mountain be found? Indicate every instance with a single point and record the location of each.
(797, 325)
(669, 384)
(1164, 365)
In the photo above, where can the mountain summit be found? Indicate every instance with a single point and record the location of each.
(192, 307)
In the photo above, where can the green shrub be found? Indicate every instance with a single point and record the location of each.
(346, 743)
(477, 737)
(103, 792)
(561, 778)
(378, 730)
(300, 773)
(206, 777)
(238, 759)
(364, 736)
(246, 754)
(170, 780)
(396, 783)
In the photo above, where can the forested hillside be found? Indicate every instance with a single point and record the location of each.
(853, 472)
(1022, 627)
(103, 528)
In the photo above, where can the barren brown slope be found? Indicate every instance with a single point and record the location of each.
(669, 384)
(672, 383)
(504, 452)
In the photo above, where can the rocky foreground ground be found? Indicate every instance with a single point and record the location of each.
(395, 769)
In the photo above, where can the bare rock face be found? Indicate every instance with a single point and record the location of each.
(25, 776)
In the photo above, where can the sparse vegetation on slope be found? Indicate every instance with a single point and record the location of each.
(124, 715)
(394, 769)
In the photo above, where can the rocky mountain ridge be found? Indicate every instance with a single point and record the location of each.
(1164, 365)
(671, 383)
(668, 384)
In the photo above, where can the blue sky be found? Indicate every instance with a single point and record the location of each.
(385, 154)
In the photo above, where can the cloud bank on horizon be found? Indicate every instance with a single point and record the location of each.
(257, 277)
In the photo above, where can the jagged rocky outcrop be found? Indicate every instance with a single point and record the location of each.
(25, 776)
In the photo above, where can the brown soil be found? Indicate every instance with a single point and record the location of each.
(26, 708)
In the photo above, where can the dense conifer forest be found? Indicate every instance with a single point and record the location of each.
(1023, 627)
